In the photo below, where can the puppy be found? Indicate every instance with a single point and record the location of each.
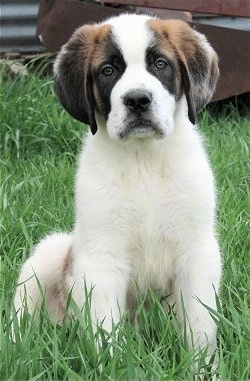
(145, 193)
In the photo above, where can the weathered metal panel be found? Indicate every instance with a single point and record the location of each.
(223, 7)
(240, 23)
(233, 48)
(57, 19)
(18, 26)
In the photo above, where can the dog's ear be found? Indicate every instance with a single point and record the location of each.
(72, 76)
(198, 64)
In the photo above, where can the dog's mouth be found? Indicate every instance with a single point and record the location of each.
(140, 129)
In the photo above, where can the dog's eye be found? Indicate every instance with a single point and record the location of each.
(108, 70)
(160, 64)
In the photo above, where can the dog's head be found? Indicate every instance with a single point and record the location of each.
(131, 71)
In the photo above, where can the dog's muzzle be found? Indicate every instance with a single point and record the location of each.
(140, 121)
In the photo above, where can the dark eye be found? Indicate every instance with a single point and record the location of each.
(160, 64)
(108, 70)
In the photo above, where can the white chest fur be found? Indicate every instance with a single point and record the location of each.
(147, 197)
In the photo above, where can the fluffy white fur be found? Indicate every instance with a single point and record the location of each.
(145, 211)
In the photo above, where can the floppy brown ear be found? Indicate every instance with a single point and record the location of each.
(199, 68)
(72, 77)
(198, 63)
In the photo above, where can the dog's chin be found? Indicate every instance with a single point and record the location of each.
(141, 131)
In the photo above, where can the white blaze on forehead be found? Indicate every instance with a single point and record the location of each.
(132, 36)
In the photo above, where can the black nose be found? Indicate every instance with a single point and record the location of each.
(137, 100)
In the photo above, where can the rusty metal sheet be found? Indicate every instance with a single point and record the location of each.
(165, 13)
(224, 7)
(233, 48)
(57, 19)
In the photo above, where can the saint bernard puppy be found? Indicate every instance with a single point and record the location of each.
(145, 193)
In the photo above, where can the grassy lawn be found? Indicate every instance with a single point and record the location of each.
(38, 146)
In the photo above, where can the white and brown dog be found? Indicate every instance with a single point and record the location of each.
(145, 194)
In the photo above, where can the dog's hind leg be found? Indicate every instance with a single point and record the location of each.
(43, 276)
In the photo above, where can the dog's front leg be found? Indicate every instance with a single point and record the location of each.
(104, 275)
(197, 280)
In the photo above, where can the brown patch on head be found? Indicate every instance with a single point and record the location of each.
(197, 61)
(73, 79)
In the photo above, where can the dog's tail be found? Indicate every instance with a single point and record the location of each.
(43, 276)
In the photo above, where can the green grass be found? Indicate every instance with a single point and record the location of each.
(38, 146)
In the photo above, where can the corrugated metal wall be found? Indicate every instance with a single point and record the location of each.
(18, 26)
